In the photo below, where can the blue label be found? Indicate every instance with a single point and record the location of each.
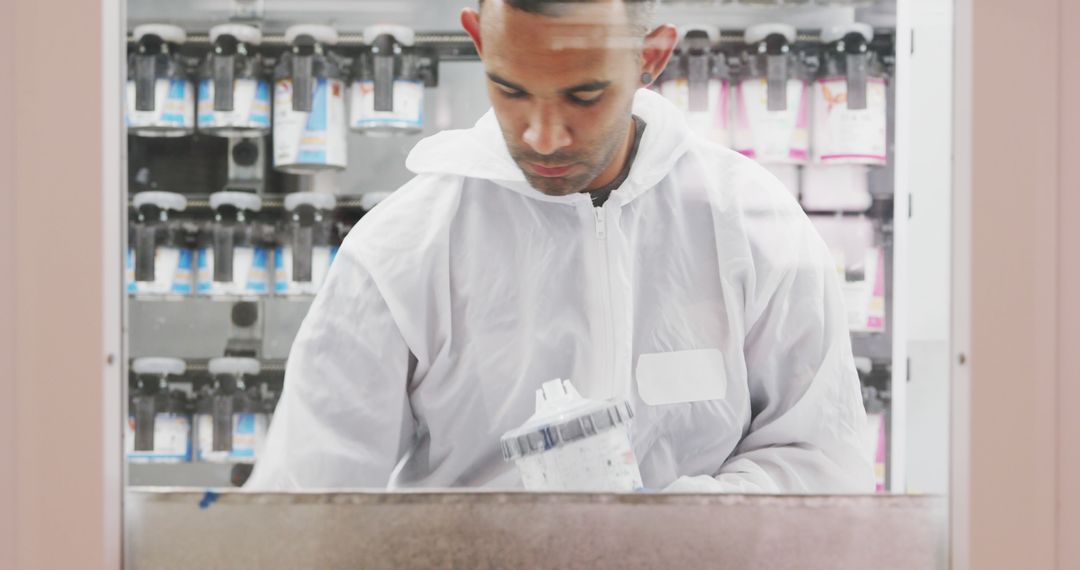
(205, 274)
(129, 272)
(182, 282)
(207, 117)
(262, 95)
(177, 92)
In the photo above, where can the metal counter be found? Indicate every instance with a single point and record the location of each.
(234, 529)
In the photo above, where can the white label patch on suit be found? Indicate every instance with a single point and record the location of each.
(682, 376)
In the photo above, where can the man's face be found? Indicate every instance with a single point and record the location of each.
(562, 88)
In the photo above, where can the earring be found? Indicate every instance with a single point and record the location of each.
(646, 78)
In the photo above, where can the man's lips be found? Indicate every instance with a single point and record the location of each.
(549, 171)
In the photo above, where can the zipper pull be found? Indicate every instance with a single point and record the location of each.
(601, 223)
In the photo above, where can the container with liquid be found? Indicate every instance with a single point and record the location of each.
(308, 244)
(231, 418)
(387, 93)
(850, 100)
(159, 420)
(234, 97)
(772, 98)
(159, 99)
(159, 259)
(697, 82)
(309, 103)
(574, 444)
(233, 260)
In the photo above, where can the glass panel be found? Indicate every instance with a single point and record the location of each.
(714, 322)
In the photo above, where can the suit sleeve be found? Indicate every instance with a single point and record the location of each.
(344, 418)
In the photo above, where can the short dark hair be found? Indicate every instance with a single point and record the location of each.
(639, 10)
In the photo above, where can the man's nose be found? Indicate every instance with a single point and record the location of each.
(547, 132)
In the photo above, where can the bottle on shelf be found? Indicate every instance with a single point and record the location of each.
(387, 93)
(234, 96)
(159, 421)
(159, 261)
(309, 103)
(308, 245)
(160, 100)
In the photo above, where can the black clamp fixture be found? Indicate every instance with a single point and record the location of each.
(393, 56)
(771, 44)
(151, 223)
(847, 53)
(697, 47)
(229, 376)
(307, 213)
(307, 54)
(232, 227)
(151, 396)
(156, 44)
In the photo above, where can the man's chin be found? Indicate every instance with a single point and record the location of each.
(555, 186)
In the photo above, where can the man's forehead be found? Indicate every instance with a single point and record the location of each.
(561, 26)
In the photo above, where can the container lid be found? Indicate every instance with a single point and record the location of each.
(173, 366)
(403, 34)
(758, 33)
(322, 34)
(239, 200)
(245, 34)
(369, 200)
(712, 31)
(318, 201)
(167, 32)
(163, 200)
(233, 365)
(562, 417)
(835, 33)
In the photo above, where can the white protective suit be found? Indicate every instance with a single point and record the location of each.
(699, 292)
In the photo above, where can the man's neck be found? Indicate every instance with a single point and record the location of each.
(617, 164)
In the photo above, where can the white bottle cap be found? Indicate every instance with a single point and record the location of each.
(167, 32)
(712, 31)
(369, 200)
(403, 34)
(758, 33)
(245, 34)
(233, 365)
(163, 200)
(834, 33)
(163, 366)
(239, 200)
(318, 201)
(322, 34)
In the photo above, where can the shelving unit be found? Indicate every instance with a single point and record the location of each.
(206, 324)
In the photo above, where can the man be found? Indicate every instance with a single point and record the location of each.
(578, 231)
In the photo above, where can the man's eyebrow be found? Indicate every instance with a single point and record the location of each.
(495, 78)
(590, 86)
(582, 87)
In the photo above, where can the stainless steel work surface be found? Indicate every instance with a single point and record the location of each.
(233, 529)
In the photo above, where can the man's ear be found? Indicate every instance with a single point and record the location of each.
(470, 20)
(657, 49)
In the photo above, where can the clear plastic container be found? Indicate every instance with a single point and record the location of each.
(387, 94)
(159, 420)
(574, 444)
(850, 100)
(234, 98)
(159, 260)
(233, 260)
(772, 99)
(309, 103)
(308, 244)
(160, 100)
